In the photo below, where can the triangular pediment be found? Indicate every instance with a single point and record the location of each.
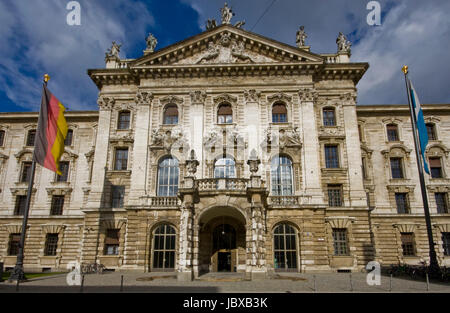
(227, 44)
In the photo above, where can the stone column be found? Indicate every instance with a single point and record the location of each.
(101, 152)
(140, 150)
(357, 193)
(252, 118)
(311, 147)
(256, 251)
(197, 125)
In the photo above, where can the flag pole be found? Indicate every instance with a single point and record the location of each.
(434, 265)
(18, 274)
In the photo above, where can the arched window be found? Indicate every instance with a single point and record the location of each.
(164, 248)
(281, 176)
(224, 168)
(171, 115)
(431, 131)
(279, 113)
(285, 248)
(225, 114)
(392, 132)
(329, 117)
(168, 172)
(124, 120)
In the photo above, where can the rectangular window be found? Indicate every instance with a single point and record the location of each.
(26, 172)
(396, 168)
(360, 132)
(446, 243)
(329, 117)
(401, 199)
(331, 156)
(363, 168)
(121, 159)
(392, 132)
(436, 168)
(64, 168)
(51, 244)
(20, 205)
(340, 241)
(441, 202)
(408, 244)
(334, 195)
(124, 120)
(2, 137)
(69, 138)
(431, 132)
(57, 205)
(13, 246)
(117, 196)
(30, 138)
(112, 242)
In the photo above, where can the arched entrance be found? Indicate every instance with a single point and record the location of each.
(222, 241)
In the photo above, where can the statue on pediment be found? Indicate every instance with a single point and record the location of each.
(301, 37)
(113, 51)
(213, 52)
(210, 24)
(151, 43)
(237, 50)
(343, 44)
(227, 14)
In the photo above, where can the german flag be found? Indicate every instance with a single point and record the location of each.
(51, 132)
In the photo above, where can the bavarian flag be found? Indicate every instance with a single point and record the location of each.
(420, 124)
(51, 132)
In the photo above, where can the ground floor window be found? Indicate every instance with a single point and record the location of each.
(340, 241)
(164, 246)
(285, 248)
(51, 243)
(112, 242)
(13, 246)
(408, 244)
(446, 243)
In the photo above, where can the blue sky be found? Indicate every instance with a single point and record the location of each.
(35, 39)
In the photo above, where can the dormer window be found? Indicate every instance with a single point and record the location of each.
(171, 115)
(225, 114)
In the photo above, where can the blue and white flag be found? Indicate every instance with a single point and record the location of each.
(421, 127)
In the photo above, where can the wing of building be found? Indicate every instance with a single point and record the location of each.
(228, 151)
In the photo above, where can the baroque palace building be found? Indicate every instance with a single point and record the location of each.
(228, 151)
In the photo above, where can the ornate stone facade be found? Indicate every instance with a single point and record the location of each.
(229, 139)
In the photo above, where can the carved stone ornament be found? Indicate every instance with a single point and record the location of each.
(225, 98)
(143, 98)
(225, 50)
(210, 24)
(168, 139)
(191, 164)
(252, 95)
(344, 46)
(106, 103)
(211, 139)
(151, 43)
(226, 14)
(307, 94)
(282, 138)
(198, 96)
(253, 162)
(281, 96)
(235, 137)
(171, 99)
(301, 37)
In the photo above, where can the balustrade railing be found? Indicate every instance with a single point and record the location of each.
(213, 184)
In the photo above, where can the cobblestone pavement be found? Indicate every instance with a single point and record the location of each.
(230, 282)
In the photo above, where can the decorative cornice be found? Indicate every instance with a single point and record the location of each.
(225, 98)
(171, 99)
(281, 96)
(106, 103)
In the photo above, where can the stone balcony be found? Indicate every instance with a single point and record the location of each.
(161, 202)
(288, 201)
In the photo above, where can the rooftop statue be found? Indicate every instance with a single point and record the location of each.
(151, 43)
(301, 37)
(227, 14)
(114, 50)
(343, 44)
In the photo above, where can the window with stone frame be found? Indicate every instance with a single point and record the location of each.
(285, 248)
(392, 132)
(279, 113)
(57, 205)
(112, 242)
(441, 202)
(20, 205)
(2, 138)
(31, 136)
(164, 248)
(124, 120)
(402, 202)
(64, 167)
(225, 114)
(334, 195)
(408, 245)
(329, 117)
(340, 242)
(69, 138)
(397, 168)
(364, 168)
(431, 131)
(13, 244)
(331, 156)
(168, 176)
(121, 159)
(436, 168)
(117, 196)
(51, 244)
(360, 133)
(446, 243)
(281, 176)
(170, 115)
(26, 172)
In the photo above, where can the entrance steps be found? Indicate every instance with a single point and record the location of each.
(222, 277)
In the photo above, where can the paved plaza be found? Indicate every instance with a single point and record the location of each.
(225, 283)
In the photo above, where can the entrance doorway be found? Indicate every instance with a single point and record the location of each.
(224, 262)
